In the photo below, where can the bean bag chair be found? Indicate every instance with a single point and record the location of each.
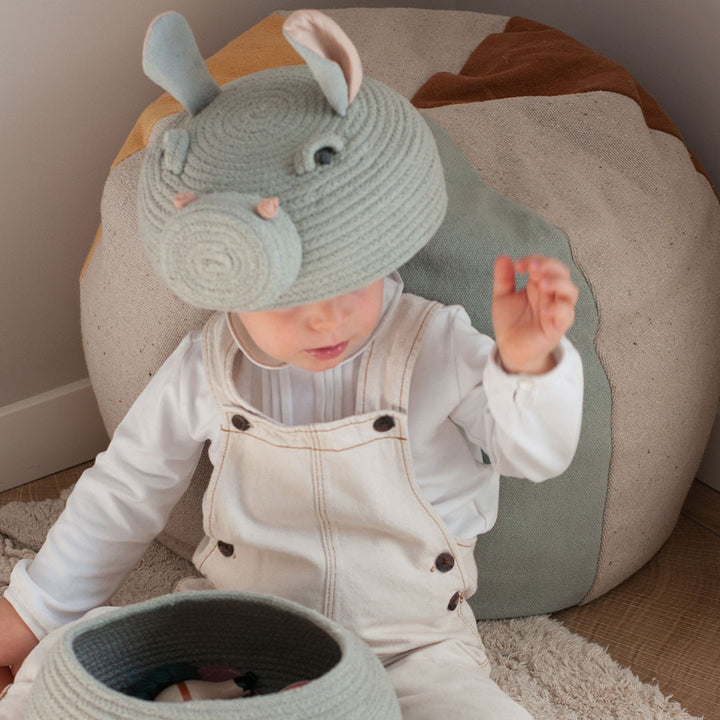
(546, 147)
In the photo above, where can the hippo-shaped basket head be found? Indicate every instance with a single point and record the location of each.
(286, 186)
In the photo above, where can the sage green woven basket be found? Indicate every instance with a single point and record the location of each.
(87, 673)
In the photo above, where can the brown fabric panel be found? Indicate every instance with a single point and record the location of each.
(532, 59)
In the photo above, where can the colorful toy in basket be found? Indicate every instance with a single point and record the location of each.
(104, 668)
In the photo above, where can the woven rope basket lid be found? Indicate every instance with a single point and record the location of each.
(358, 183)
(86, 673)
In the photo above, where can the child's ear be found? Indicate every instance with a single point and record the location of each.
(329, 53)
(172, 60)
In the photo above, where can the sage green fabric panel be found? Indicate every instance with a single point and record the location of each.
(542, 554)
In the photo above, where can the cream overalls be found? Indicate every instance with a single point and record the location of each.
(329, 515)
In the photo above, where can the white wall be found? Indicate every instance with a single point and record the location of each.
(709, 471)
(71, 88)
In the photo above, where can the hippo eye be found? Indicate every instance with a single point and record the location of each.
(324, 156)
(317, 152)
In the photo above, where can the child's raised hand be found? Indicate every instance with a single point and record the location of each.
(529, 323)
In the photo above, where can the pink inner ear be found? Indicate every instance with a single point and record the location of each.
(326, 38)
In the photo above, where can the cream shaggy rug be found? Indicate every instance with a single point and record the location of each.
(555, 674)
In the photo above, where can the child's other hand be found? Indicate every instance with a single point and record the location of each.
(6, 677)
(530, 323)
(16, 641)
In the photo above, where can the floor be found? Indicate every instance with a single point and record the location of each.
(663, 622)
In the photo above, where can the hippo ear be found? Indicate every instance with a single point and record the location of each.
(330, 54)
(172, 60)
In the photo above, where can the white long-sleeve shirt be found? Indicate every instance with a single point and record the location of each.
(528, 426)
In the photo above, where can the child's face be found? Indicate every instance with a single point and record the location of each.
(318, 336)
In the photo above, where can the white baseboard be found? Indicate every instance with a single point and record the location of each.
(709, 471)
(48, 433)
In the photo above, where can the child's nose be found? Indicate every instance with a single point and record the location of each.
(328, 314)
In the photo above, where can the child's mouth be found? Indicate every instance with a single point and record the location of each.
(329, 353)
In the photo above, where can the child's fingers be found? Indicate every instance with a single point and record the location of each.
(559, 316)
(537, 266)
(503, 276)
(549, 276)
(561, 289)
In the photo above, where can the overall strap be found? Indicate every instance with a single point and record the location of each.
(219, 350)
(388, 362)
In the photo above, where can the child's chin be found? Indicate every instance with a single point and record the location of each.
(313, 365)
(321, 364)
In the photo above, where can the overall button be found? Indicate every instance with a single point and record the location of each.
(225, 549)
(241, 423)
(454, 601)
(384, 423)
(445, 562)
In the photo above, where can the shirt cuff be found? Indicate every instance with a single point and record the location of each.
(564, 356)
(19, 581)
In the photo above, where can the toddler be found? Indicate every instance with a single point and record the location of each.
(347, 420)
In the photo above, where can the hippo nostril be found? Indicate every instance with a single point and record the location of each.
(183, 199)
(268, 208)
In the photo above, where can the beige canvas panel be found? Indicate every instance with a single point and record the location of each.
(130, 324)
(130, 321)
(644, 227)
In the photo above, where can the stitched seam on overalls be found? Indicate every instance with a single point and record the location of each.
(302, 429)
(211, 366)
(320, 498)
(450, 540)
(211, 499)
(405, 390)
(412, 355)
(367, 359)
(368, 363)
(227, 367)
(215, 481)
(473, 628)
(403, 402)
(312, 447)
(209, 359)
